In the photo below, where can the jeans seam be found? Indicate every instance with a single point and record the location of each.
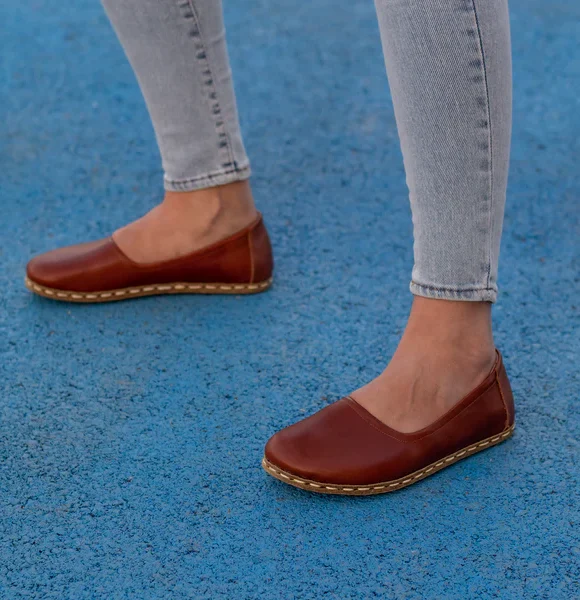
(453, 289)
(214, 175)
(202, 57)
(490, 141)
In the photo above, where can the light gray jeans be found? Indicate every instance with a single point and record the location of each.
(449, 69)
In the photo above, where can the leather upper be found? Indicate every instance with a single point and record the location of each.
(344, 444)
(245, 257)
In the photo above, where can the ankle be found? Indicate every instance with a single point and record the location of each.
(451, 328)
(446, 350)
(230, 206)
(187, 221)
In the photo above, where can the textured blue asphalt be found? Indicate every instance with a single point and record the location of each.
(131, 434)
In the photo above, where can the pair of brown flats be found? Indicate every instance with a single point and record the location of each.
(342, 449)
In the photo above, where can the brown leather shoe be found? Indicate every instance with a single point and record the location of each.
(343, 449)
(100, 272)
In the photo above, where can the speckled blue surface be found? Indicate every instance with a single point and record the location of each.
(132, 433)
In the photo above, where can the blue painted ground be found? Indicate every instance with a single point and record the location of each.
(131, 434)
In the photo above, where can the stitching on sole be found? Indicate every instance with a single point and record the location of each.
(210, 288)
(386, 485)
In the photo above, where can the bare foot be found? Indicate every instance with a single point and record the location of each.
(187, 221)
(447, 349)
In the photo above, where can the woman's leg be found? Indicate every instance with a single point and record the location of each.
(449, 68)
(178, 51)
(445, 394)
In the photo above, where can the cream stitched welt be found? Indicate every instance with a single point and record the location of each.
(178, 287)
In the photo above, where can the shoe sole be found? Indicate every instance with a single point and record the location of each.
(147, 290)
(385, 486)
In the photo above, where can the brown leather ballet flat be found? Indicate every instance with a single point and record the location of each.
(343, 449)
(100, 272)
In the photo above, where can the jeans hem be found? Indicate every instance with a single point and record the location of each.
(460, 294)
(208, 180)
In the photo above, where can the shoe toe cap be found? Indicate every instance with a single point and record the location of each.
(332, 446)
(64, 268)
